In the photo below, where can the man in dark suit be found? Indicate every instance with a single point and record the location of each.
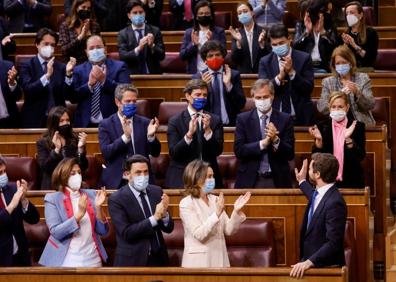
(14, 209)
(10, 93)
(323, 226)
(291, 73)
(264, 142)
(225, 97)
(140, 45)
(45, 81)
(139, 214)
(194, 134)
(125, 134)
(94, 83)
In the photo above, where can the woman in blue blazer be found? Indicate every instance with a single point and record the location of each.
(75, 220)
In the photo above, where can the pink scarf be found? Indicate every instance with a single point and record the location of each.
(338, 144)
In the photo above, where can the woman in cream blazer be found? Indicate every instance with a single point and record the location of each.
(204, 220)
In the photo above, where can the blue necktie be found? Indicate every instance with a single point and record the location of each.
(142, 59)
(264, 164)
(95, 103)
(311, 207)
(154, 242)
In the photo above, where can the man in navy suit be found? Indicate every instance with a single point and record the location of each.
(45, 81)
(139, 212)
(94, 83)
(292, 74)
(323, 226)
(125, 134)
(225, 96)
(14, 209)
(264, 142)
(10, 93)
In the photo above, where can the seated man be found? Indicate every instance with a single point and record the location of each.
(94, 82)
(225, 96)
(264, 142)
(194, 134)
(125, 134)
(14, 209)
(139, 44)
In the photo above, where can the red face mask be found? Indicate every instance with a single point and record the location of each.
(215, 63)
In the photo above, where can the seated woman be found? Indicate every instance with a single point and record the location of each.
(356, 85)
(268, 12)
(204, 220)
(75, 220)
(59, 142)
(75, 30)
(345, 139)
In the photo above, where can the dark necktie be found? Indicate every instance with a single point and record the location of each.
(154, 242)
(142, 58)
(2, 206)
(216, 95)
(285, 98)
(264, 164)
(199, 136)
(311, 207)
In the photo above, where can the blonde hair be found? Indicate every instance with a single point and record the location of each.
(338, 95)
(194, 172)
(346, 53)
(362, 36)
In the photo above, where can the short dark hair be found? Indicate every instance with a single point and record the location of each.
(2, 160)
(133, 3)
(200, 4)
(278, 31)
(134, 159)
(327, 165)
(194, 84)
(212, 45)
(43, 32)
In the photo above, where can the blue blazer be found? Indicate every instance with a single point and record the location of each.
(10, 97)
(247, 149)
(299, 89)
(117, 72)
(62, 227)
(115, 151)
(12, 225)
(189, 52)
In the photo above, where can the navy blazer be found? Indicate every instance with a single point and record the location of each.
(182, 154)
(234, 100)
(133, 230)
(36, 95)
(323, 241)
(115, 151)
(12, 225)
(116, 72)
(247, 149)
(299, 89)
(10, 97)
(189, 52)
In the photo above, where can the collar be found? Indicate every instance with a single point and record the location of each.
(135, 28)
(73, 194)
(121, 118)
(322, 190)
(41, 59)
(135, 192)
(249, 31)
(220, 70)
(268, 114)
(192, 111)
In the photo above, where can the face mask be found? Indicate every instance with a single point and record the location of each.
(138, 20)
(65, 130)
(352, 20)
(74, 182)
(215, 63)
(338, 115)
(204, 20)
(263, 105)
(209, 185)
(46, 52)
(343, 69)
(3, 180)
(84, 14)
(198, 103)
(140, 183)
(96, 55)
(245, 18)
(281, 50)
(129, 110)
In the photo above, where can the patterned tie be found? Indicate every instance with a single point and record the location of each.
(311, 207)
(264, 164)
(154, 242)
(95, 103)
(142, 59)
(187, 10)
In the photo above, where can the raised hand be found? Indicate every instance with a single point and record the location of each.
(261, 39)
(82, 207)
(57, 141)
(152, 127)
(227, 75)
(206, 123)
(302, 174)
(82, 140)
(12, 74)
(315, 133)
(150, 40)
(192, 126)
(194, 37)
(271, 131)
(241, 201)
(70, 66)
(50, 67)
(7, 39)
(349, 130)
(235, 34)
(207, 77)
(219, 204)
(100, 197)
(126, 127)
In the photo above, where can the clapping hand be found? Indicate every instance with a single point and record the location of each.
(349, 130)
(207, 77)
(206, 123)
(7, 39)
(82, 140)
(152, 127)
(58, 141)
(150, 40)
(271, 131)
(236, 35)
(100, 197)
(241, 202)
(50, 68)
(70, 66)
(315, 133)
(192, 126)
(82, 207)
(219, 204)
(194, 37)
(12, 74)
(227, 75)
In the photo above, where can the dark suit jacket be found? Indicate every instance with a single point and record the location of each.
(133, 229)
(299, 89)
(127, 42)
(234, 100)
(36, 95)
(10, 97)
(153, 14)
(323, 241)
(115, 151)
(247, 149)
(189, 52)
(4, 31)
(178, 12)
(181, 154)
(117, 72)
(353, 175)
(12, 225)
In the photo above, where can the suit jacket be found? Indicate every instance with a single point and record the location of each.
(4, 31)
(247, 149)
(62, 226)
(299, 89)
(352, 175)
(204, 242)
(115, 151)
(178, 13)
(36, 95)
(234, 100)
(127, 42)
(133, 230)
(117, 72)
(189, 52)
(10, 97)
(153, 13)
(323, 241)
(12, 225)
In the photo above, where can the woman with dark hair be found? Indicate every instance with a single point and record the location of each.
(59, 142)
(75, 30)
(203, 30)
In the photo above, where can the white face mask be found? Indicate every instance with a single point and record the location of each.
(74, 182)
(140, 183)
(338, 115)
(263, 105)
(3, 180)
(352, 20)
(46, 52)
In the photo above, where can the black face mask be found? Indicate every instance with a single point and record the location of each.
(84, 14)
(204, 20)
(65, 130)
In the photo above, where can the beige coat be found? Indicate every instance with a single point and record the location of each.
(204, 242)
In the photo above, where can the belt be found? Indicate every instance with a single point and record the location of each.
(267, 174)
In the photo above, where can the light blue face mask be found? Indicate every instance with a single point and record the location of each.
(96, 55)
(245, 18)
(138, 20)
(209, 185)
(140, 182)
(343, 69)
(3, 180)
(281, 50)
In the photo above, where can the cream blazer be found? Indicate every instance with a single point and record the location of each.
(204, 242)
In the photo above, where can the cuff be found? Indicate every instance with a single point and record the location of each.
(68, 80)
(125, 139)
(188, 140)
(151, 139)
(277, 81)
(166, 219)
(44, 80)
(301, 181)
(292, 75)
(153, 221)
(137, 50)
(12, 87)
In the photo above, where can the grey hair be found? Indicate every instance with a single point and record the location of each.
(260, 83)
(122, 88)
(93, 37)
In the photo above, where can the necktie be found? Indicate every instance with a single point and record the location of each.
(142, 59)
(95, 103)
(2, 206)
(286, 106)
(154, 242)
(187, 10)
(264, 164)
(311, 207)
(199, 136)
(216, 94)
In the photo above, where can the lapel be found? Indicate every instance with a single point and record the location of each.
(128, 194)
(138, 137)
(274, 66)
(87, 69)
(256, 122)
(151, 200)
(186, 120)
(131, 36)
(255, 45)
(37, 67)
